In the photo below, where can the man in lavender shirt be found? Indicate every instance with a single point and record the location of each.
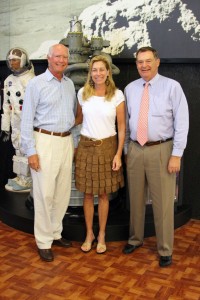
(155, 164)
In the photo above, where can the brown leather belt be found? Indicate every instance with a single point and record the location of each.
(154, 143)
(87, 142)
(61, 134)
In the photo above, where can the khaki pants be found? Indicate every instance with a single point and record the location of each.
(51, 186)
(147, 167)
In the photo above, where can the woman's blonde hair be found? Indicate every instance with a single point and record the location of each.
(89, 87)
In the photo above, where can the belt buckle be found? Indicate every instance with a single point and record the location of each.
(95, 140)
(98, 145)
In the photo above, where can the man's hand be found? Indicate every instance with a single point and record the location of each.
(33, 162)
(174, 164)
(5, 135)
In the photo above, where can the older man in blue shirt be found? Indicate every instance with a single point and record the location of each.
(154, 164)
(48, 117)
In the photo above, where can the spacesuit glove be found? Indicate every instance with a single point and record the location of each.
(5, 135)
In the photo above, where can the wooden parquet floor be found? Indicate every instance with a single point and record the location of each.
(113, 275)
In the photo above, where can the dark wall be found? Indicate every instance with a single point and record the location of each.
(188, 74)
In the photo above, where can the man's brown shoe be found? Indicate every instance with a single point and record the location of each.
(62, 243)
(46, 254)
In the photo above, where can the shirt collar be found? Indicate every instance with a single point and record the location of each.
(50, 76)
(153, 80)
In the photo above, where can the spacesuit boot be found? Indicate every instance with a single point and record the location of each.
(19, 184)
(12, 181)
(9, 185)
(23, 184)
(23, 181)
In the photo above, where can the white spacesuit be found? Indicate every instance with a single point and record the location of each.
(14, 89)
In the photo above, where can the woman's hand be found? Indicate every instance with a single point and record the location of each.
(117, 162)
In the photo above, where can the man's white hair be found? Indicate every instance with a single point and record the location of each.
(50, 52)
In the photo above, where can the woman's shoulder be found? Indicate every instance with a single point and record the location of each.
(119, 92)
(119, 96)
(80, 93)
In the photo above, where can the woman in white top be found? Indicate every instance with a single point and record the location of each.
(98, 159)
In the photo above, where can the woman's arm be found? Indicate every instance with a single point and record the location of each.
(79, 115)
(121, 126)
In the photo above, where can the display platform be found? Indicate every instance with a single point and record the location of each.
(14, 213)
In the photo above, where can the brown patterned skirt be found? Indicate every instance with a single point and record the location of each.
(93, 171)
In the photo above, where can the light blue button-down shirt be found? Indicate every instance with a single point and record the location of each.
(48, 104)
(168, 112)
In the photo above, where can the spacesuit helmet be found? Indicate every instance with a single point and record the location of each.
(17, 60)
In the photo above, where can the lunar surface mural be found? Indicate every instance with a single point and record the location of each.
(171, 26)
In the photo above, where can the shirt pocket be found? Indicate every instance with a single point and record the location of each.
(158, 108)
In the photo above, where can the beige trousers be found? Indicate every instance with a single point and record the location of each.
(147, 167)
(51, 186)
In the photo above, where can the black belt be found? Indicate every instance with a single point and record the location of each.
(61, 134)
(154, 143)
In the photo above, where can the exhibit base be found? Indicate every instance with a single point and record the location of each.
(14, 213)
